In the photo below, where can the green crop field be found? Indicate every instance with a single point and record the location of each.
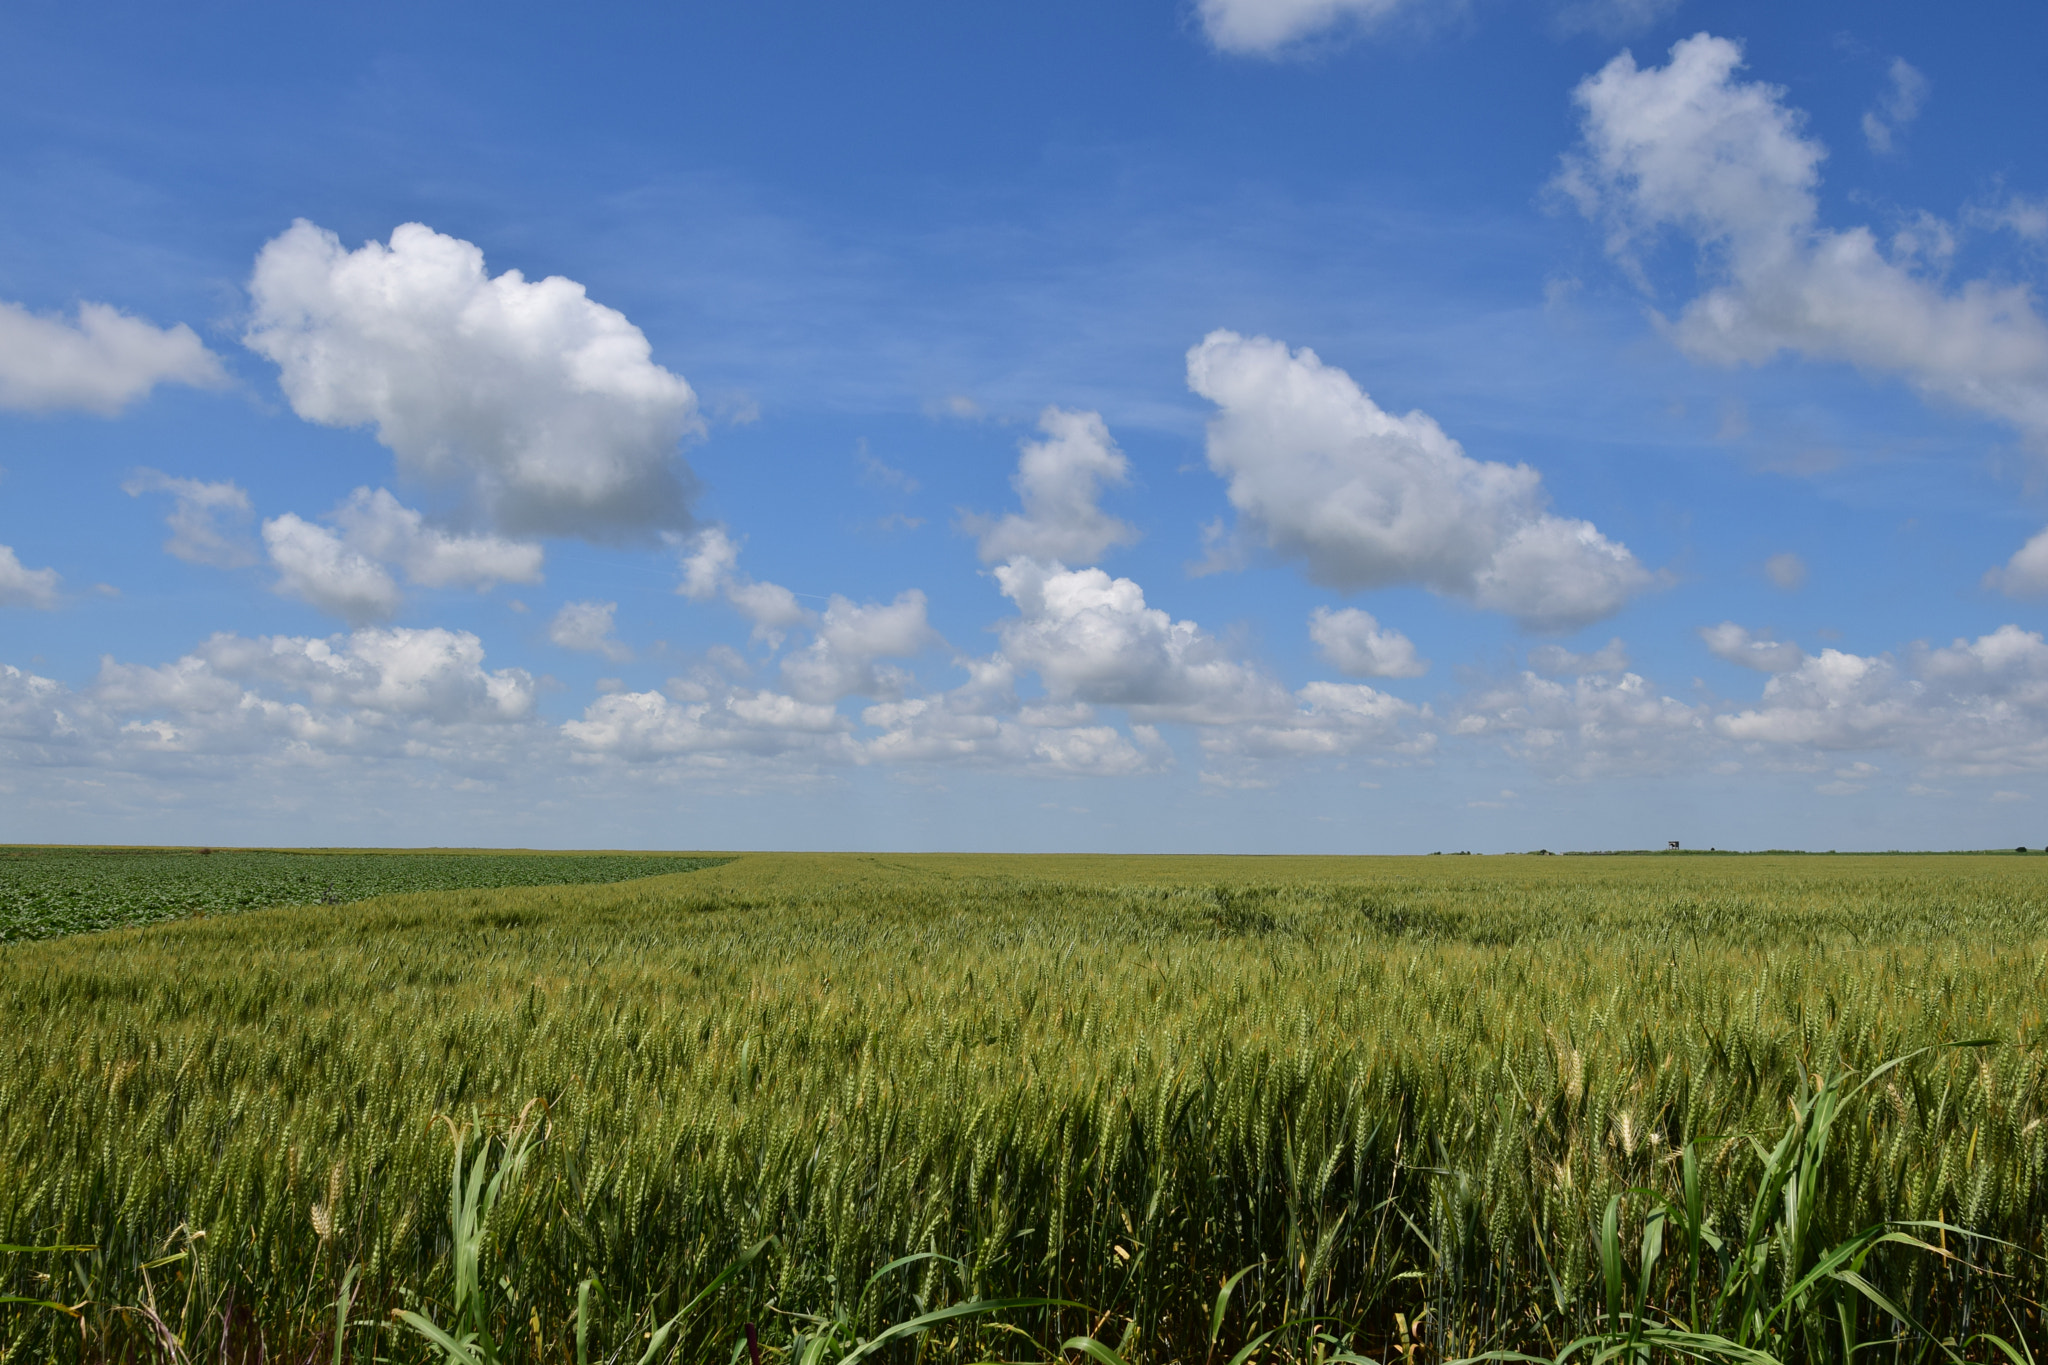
(1400, 1094)
(47, 892)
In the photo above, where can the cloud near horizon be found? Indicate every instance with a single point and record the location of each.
(353, 703)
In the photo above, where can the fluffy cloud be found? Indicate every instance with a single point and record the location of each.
(770, 606)
(2026, 573)
(101, 363)
(1355, 643)
(1326, 719)
(1594, 725)
(710, 560)
(587, 626)
(1833, 700)
(205, 518)
(842, 658)
(708, 721)
(395, 706)
(417, 696)
(343, 571)
(544, 406)
(314, 565)
(1093, 641)
(982, 723)
(1267, 27)
(33, 708)
(1320, 472)
(431, 673)
(1977, 707)
(1735, 645)
(1688, 146)
(711, 567)
(21, 586)
(1092, 638)
(378, 525)
(1058, 480)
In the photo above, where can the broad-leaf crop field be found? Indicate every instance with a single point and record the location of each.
(1403, 1094)
(45, 892)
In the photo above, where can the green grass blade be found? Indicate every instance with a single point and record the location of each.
(924, 1322)
(1223, 1301)
(458, 1351)
(1091, 1347)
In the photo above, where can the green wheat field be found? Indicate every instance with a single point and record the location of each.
(1401, 1095)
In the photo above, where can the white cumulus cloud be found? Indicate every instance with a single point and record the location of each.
(1689, 146)
(101, 363)
(315, 565)
(1059, 480)
(708, 723)
(21, 586)
(347, 571)
(403, 727)
(2026, 573)
(1977, 706)
(544, 406)
(377, 524)
(1357, 644)
(711, 558)
(1092, 638)
(587, 626)
(430, 673)
(983, 724)
(1593, 725)
(419, 697)
(1367, 499)
(207, 520)
(1093, 641)
(843, 657)
(710, 564)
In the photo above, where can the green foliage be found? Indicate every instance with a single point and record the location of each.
(1774, 1294)
(47, 892)
(469, 1337)
(1405, 1094)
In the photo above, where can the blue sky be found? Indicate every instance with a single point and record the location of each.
(1243, 425)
